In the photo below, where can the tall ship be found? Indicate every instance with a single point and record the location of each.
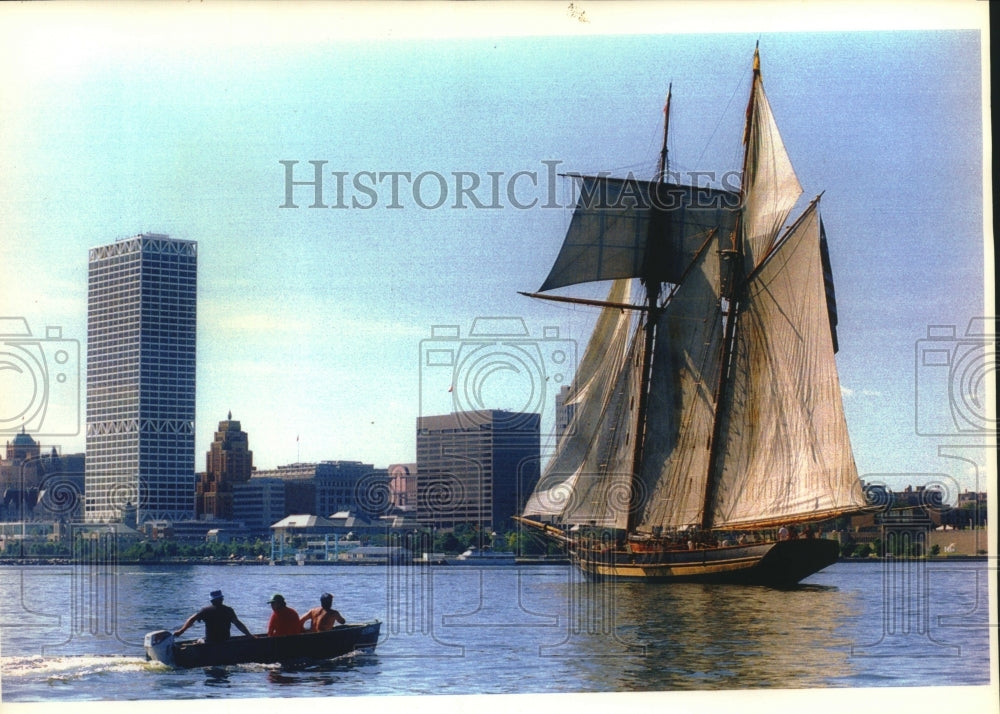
(707, 438)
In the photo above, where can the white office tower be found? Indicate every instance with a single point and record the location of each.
(141, 319)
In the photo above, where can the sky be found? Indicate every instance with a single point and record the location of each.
(319, 328)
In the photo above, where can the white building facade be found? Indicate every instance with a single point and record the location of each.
(141, 320)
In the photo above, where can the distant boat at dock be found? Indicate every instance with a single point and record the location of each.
(487, 556)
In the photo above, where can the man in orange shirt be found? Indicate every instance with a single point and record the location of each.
(284, 620)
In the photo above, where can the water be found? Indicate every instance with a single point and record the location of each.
(74, 633)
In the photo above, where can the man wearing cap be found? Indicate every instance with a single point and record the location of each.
(324, 617)
(284, 620)
(217, 618)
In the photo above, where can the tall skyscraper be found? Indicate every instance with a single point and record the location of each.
(476, 467)
(141, 317)
(229, 461)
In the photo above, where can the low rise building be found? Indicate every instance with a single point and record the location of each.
(331, 486)
(258, 503)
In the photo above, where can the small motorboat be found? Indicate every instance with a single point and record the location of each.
(486, 556)
(305, 647)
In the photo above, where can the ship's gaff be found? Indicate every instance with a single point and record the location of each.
(786, 455)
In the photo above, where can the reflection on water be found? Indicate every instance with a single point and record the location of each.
(691, 636)
(504, 630)
(321, 674)
(276, 676)
(216, 677)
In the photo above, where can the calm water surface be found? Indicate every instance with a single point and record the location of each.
(74, 633)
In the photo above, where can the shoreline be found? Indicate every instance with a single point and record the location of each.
(35, 561)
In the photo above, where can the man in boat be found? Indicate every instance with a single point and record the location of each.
(284, 620)
(322, 618)
(217, 618)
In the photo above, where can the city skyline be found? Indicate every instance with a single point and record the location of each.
(314, 322)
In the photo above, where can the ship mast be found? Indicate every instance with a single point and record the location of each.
(661, 175)
(651, 278)
(733, 286)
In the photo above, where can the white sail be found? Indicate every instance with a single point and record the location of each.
(786, 455)
(681, 410)
(602, 491)
(770, 185)
(605, 350)
(573, 479)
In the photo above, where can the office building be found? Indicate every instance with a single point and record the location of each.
(328, 487)
(259, 503)
(475, 467)
(564, 411)
(141, 317)
(229, 461)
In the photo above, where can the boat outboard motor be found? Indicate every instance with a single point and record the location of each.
(160, 646)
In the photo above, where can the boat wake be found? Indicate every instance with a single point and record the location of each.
(69, 668)
(102, 677)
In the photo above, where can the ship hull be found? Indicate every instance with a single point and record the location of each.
(782, 563)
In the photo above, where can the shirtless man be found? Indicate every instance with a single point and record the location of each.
(324, 617)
